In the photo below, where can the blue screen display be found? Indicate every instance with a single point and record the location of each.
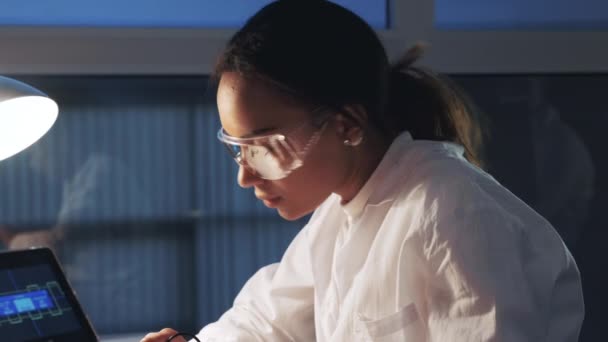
(25, 302)
(156, 13)
(33, 305)
(521, 14)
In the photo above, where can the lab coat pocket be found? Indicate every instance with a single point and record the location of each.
(404, 325)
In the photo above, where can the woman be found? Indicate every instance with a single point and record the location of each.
(409, 240)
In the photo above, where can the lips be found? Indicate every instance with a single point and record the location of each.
(270, 201)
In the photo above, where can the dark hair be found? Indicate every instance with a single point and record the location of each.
(323, 54)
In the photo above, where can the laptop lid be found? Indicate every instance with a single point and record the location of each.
(37, 303)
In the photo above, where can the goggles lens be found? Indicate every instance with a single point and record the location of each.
(270, 157)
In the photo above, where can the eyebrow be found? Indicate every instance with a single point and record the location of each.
(259, 131)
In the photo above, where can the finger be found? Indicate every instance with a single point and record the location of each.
(170, 332)
(161, 336)
(153, 337)
(150, 337)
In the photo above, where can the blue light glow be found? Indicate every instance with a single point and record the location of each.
(521, 14)
(25, 302)
(156, 13)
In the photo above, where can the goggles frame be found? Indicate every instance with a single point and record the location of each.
(285, 154)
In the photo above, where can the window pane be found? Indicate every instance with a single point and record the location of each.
(139, 200)
(521, 14)
(156, 13)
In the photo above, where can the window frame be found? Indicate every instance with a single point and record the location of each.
(171, 51)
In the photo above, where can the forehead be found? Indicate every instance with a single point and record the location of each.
(247, 105)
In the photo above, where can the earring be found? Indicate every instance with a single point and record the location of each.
(353, 143)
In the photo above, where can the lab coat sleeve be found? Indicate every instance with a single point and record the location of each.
(276, 304)
(486, 279)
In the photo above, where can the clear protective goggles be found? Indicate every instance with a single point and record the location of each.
(275, 156)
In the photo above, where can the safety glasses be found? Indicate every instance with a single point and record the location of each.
(275, 156)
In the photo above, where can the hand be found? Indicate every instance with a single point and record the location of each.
(42, 238)
(6, 235)
(162, 336)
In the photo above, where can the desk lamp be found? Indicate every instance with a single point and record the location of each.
(26, 114)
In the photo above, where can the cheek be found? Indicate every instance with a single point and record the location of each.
(307, 187)
(326, 166)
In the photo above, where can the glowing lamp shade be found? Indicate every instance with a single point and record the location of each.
(26, 114)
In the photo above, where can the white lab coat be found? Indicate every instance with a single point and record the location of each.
(431, 249)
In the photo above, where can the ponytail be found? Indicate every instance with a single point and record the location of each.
(430, 107)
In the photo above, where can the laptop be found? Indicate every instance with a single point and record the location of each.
(37, 304)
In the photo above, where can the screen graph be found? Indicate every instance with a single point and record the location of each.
(33, 304)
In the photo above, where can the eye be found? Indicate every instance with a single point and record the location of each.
(253, 152)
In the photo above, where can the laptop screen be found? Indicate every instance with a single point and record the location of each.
(36, 302)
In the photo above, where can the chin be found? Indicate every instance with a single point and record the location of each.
(291, 215)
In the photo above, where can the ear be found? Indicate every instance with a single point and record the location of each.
(351, 123)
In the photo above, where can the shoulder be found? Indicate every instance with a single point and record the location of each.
(460, 206)
(431, 172)
(447, 191)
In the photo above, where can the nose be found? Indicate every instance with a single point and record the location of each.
(246, 178)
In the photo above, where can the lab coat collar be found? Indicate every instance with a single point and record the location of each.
(398, 161)
(354, 207)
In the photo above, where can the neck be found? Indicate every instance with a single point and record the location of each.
(364, 162)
